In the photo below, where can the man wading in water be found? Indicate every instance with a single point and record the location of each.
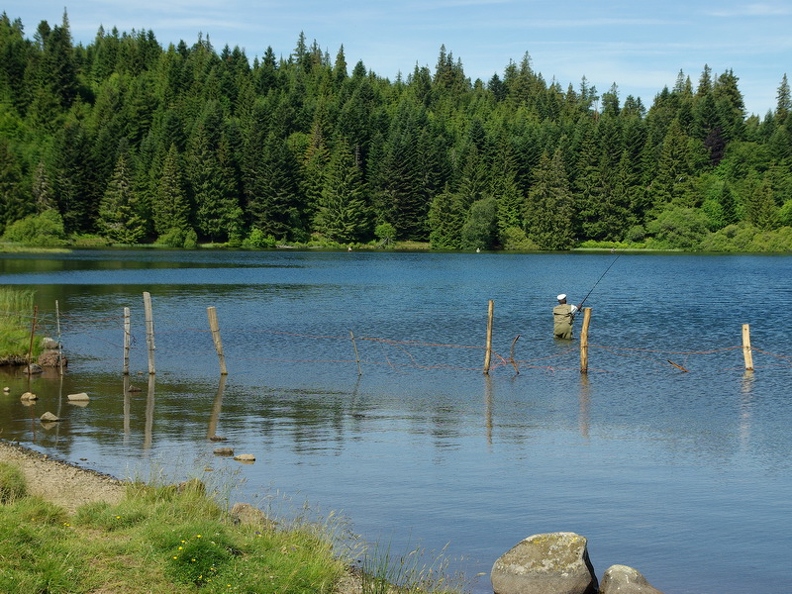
(563, 316)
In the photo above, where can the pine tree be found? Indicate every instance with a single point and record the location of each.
(446, 218)
(14, 204)
(761, 207)
(119, 218)
(74, 179)
(550, 220)
(783, 101)
(343, 214)
(41, 190)
(171, 207)
(273, 191)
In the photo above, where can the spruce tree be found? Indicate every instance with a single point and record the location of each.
(343, 215)
(550, 216)
(119, 218)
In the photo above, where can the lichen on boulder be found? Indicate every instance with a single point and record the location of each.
(552, 563)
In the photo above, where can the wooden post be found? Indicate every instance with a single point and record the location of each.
(584, 340)
(746, 339)
(511, 355)
(488, 351)
(32, 334)
(211, 312)
(127, 340)
(354, 347)
(149, 330)
(60, 346)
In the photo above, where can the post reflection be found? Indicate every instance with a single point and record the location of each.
(214, 417)
(127, 409)
(746, 403)
(148, 433)
(488, 407)
(584, 405)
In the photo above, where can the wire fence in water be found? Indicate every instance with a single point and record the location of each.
(115, 334)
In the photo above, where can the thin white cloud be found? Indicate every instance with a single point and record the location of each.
(753, 10)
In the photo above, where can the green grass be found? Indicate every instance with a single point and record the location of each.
(181, 540)
(158, 539)
(16, 316)
(414, 572)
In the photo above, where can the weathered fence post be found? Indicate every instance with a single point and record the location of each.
(746, 339)
(214, 326)
(488, 351)
(60, 346)
(149, 330)
(127, 340)
(32, 334)
(511, 355)
(584, 340)
(354, 347)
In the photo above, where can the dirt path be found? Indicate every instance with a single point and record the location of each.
(59, 482)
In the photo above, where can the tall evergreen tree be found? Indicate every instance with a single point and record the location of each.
(171, 206)
(446, 218)
(275, 202)
(14, 204)
(343, 214)
(119, 217)
(550, 216)
(74, 180)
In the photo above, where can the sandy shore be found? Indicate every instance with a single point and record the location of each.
(61, 483)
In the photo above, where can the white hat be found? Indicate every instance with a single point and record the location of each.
(561, 297)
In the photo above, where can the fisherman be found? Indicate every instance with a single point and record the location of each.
(563, 316)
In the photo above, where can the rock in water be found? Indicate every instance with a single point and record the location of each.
(553, 563)
(621, 579)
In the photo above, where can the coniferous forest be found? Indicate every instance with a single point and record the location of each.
(125, 141)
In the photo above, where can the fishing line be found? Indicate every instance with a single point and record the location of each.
(598, 280)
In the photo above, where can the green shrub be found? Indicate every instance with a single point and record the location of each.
(41, 230)
(258, 240)
(513, 239)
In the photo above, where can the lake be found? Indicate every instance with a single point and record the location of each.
(356, 380)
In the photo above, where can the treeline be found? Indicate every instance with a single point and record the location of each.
(123, 141)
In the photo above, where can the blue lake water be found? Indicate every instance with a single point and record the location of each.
(356, 379)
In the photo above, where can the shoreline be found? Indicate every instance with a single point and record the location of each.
(62, 483)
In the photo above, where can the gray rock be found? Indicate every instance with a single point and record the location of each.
(51, 358)
(244, 513)
(48, 417)
(553, 563)
(621, 579)
(49, 343)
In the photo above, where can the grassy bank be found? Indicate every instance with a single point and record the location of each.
(16, 315)
(179, 539)
(157, 539)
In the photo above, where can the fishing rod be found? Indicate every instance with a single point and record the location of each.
(598, 281)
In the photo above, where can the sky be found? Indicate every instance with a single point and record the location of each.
(640, 45)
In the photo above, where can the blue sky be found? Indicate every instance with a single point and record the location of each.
(639, 45)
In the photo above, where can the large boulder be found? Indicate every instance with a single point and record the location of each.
(621, 579)
(51, 358)
(553, 563)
